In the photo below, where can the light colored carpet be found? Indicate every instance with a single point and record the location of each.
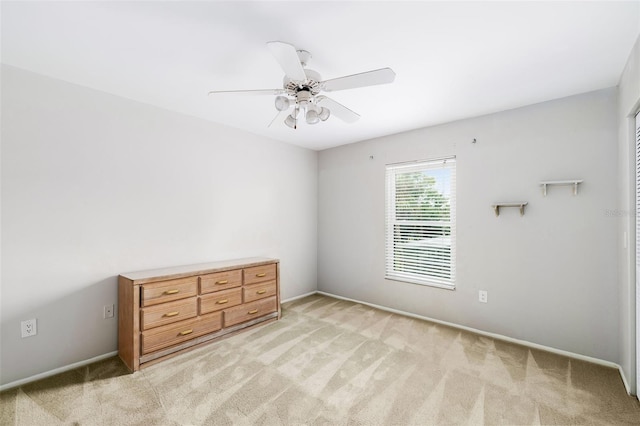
(332, 362)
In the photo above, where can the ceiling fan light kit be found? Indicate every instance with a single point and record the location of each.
(301, 88)
(312, 116)
(282, 103)
(291, 121)
(324, 114)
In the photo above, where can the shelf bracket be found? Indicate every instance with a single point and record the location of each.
(572, 182)
(519, 205)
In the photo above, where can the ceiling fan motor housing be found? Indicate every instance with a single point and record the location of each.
(304, 97)
(311, 84)
(304, 93)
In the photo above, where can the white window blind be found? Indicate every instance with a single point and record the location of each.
(420, 222)
(638, 255)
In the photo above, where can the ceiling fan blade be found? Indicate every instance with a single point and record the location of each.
(363, 79)
(338, 110)
(280, 116)
(248, 92)
(287, 57)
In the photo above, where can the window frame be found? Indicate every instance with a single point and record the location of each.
(420, 276)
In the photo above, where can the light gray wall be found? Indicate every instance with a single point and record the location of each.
(94, 185)
(628, 105)
(551, 275)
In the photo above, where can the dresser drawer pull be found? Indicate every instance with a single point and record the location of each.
(222, 282)
(171, 314)
(261, 291)
(184, 333)
(255, 311)
(222, 302)
(261, 275)
(172, 291)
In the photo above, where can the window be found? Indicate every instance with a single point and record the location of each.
(420, 222)
(637, 253)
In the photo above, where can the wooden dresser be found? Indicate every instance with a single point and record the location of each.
(164, 312)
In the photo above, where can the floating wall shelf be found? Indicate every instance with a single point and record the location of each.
(573, 182)
(520, 205)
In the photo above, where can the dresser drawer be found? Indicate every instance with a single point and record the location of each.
(259, 291)
(220, 300)
(167, 291)
(260, 274)
(249, 311)
(220, 281)
(167, 313)
(173, 334)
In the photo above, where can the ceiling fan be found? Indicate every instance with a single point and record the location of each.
(300, 95)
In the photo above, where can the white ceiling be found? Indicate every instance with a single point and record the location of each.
(453, 60)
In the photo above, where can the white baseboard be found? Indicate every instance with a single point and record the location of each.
(291, 299)
(626, 383)
(495, 336)
(57, 371)
(373, 305)
(91, 360)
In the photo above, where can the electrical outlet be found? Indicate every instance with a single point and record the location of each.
(108, 311)
(482, 296)
(29, 328)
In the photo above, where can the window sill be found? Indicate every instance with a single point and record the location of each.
(418, 281)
